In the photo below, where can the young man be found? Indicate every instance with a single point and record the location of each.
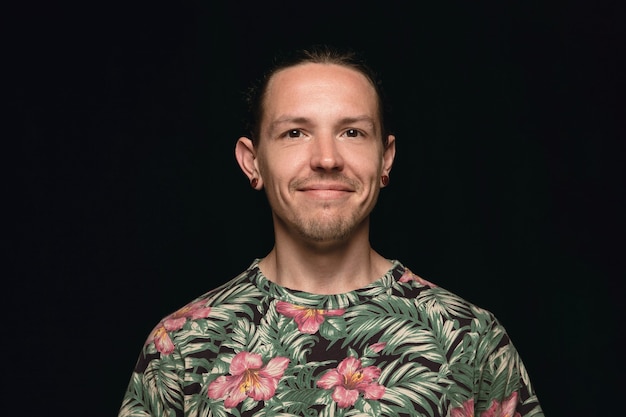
(323, 324)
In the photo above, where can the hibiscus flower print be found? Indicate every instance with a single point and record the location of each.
(175, 321)
(349, 380)
(506, 408)
(248, 378)
(408, 276)
(466, 410)
(307, 319)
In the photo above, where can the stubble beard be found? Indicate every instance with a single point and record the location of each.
(326, 223)
(317, 225)
(325, 228)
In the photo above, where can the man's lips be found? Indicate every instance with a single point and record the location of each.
(326, 190)
(326, 187)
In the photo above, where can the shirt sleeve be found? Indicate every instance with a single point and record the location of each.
(155, 387)
(502, 384)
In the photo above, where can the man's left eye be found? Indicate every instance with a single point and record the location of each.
(353, 133)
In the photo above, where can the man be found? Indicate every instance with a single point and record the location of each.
(323, 324)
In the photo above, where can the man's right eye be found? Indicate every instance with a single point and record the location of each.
(294, 133)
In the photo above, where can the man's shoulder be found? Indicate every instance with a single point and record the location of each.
(205, 313)
(242, 285)
(440, 301)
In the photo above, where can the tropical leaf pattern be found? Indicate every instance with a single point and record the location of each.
(401, 346)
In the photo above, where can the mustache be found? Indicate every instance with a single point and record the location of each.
(317, 178)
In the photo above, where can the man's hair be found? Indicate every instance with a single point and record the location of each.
(316, 54)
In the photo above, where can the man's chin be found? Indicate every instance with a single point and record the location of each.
(325, 232)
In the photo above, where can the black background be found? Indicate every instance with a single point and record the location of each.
(508, 187)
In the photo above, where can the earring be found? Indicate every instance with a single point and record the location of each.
(254, 182)
(385, 180)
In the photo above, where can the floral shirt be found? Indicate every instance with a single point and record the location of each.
(400, 346)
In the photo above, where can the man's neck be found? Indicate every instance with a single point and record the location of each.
(324, 269)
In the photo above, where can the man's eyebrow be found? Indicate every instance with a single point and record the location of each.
(288, 119)
(358, 119)
(299, 120)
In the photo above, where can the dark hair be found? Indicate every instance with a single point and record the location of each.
(317, 54)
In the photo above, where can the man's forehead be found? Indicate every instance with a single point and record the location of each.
(311, 93)
(316, 83)
(317, 73)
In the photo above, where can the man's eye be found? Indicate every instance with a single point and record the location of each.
(294, 133)
(352, 133)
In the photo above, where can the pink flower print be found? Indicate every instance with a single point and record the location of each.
(506, 408)
(410, 276)
(248, 378)
(162, 340)
(378, 347)
(466, 410)
(349, 379)
(175, 321)
(307, 319)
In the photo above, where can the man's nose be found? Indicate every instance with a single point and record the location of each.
(326, 153)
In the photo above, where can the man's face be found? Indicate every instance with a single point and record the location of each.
(320, 155)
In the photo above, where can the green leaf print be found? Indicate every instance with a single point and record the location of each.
(333, 328)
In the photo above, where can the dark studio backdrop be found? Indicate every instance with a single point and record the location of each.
(508, 187)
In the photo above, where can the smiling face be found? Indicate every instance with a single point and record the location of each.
(320, 155)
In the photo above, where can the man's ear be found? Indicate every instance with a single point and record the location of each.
(246, 156)
(389, 153)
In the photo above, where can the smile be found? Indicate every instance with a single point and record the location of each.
(327, 191)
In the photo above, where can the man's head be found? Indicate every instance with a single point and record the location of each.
(320, 154)
(320, 54)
